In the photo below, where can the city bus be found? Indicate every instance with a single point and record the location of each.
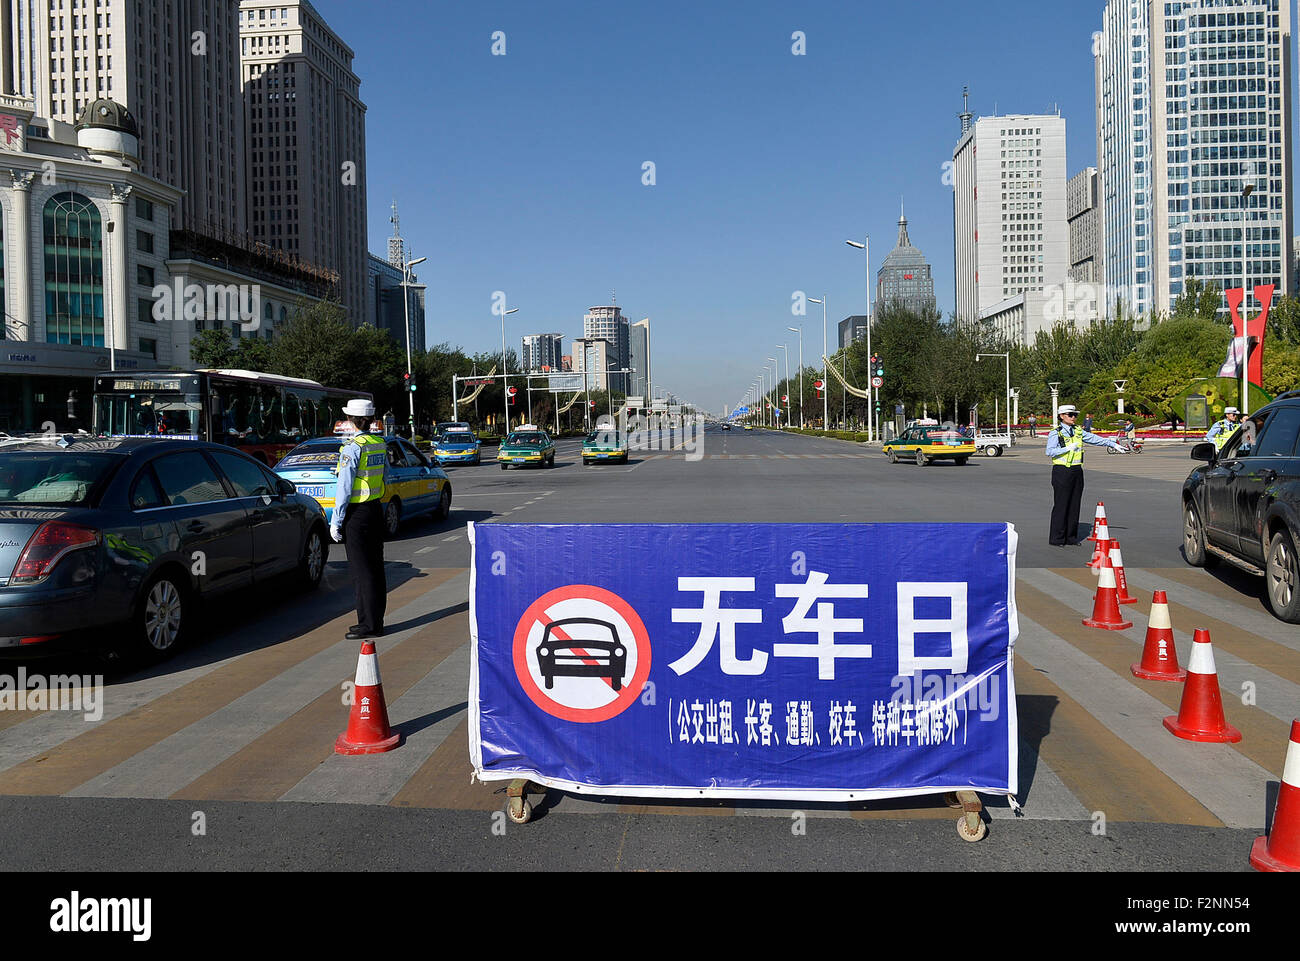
(264, 415)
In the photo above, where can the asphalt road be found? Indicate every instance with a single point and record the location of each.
(240, 726)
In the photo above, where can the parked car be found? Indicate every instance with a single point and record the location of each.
(111, 544)
(1243, 505)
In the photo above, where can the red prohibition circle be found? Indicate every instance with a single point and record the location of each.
(640, 636)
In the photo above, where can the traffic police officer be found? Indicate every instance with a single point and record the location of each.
(1222, 432)
(1065, 448)
(358, 519)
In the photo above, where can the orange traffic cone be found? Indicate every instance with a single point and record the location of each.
(368, 731)
(1200, 713)
(1159, 656)
(1280, 850)
(1121, 582)
(1102, 550)
(1098, 519)
(1105, 606)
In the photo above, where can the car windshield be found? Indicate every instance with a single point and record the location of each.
(529, 439)
(610, 437)
(61, 478)
(458, 437)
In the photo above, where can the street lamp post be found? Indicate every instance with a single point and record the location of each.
(505, 369)
(872, 425)
(799, 331)
(786, 355)
(1007, 397)
(406, 312)
(1245, 341)
(826, 374)
(776, 394)
(1056, 401)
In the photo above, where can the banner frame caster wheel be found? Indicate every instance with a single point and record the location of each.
(972, 833)
(519, 810)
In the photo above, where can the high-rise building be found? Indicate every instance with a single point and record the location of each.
(174, 64)
(1193, 101)
(904, 278)
(1011, 242)
(851, 329)
(1081, 212)
(639, 358)
(543, 352)
(306, 141)
(592, 357)
(608, 323)
(384, 307)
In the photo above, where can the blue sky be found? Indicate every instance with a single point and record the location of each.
(523, 173)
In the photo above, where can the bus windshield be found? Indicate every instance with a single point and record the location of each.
(149, 415)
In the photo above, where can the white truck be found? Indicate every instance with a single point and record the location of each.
(991, 444)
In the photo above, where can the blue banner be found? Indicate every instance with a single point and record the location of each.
(784, 661)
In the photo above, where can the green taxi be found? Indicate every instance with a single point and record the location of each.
(925, 443)
(604, 445)
(527, 445)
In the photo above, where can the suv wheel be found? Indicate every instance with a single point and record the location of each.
(1194, 537)
(1282, 577)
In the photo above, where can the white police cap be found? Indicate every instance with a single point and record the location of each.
(359, 408)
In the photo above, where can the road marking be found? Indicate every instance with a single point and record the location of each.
(1226, 782)
(425, 550)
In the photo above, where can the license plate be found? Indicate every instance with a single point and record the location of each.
(312, 490)
(602, 455)
(518, 460)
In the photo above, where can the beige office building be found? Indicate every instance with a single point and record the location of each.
(306, 141)
(172, 63)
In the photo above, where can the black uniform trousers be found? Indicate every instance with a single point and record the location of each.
(1067, 496)
(363, 537)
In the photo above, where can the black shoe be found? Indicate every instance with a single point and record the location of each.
(360, 635)
(354, 627)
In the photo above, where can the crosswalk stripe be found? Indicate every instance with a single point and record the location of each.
(173, 762)
(439, 697)
(1264, 734)
(1201, 595)
(1228, 784)
(87, 755)
(274, 763)
(443, 781)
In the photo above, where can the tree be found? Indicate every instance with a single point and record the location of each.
(213, 348)
(1198, 299)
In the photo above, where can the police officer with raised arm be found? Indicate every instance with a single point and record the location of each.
(358, 519)
(1065, 448)
(1222, 432)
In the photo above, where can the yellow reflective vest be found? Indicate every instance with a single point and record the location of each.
(368, 481)
(1072, 456)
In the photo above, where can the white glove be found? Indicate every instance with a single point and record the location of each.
(337, 534)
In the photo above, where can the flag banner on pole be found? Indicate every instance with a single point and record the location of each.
(781, 661)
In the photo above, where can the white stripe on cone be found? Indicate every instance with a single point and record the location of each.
(1160, 617)
(1291, 771)
(368, 670)
(1107, 578)
(1202, 659)
(1103, 532)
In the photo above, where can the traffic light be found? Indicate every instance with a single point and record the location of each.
(406, 382)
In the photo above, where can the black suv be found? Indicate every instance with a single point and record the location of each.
(1243, 506)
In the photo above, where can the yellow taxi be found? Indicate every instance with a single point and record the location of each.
(413, 484)
(924, 442)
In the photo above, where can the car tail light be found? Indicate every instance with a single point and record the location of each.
(47, 547)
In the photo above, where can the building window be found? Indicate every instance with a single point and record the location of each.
(74, 271)
(144, 310)
(149, 347)
(143, 209)
(144, 241)
(144, 275)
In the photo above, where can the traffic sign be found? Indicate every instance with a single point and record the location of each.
(513, 391)
(877, 381)
(819, 384)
